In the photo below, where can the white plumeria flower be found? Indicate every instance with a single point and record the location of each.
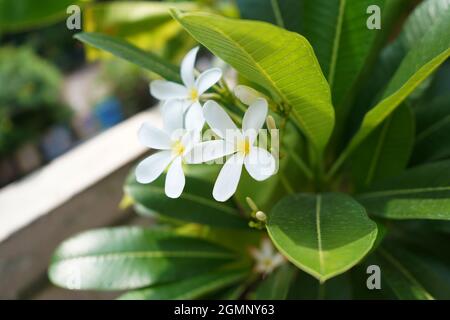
(266, 257)
(191, 91)
(259, 163)
(175, 141)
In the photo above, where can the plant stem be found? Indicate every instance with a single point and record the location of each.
(277, 13)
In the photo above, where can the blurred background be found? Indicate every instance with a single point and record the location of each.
(68, 121)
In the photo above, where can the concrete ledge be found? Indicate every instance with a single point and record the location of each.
(38, 194)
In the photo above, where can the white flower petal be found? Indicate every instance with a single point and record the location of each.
(218, 119)
(149, 169)
(194, 119)
(267, 248)
(175, 179)
(254, 118)
(228, 179)
(186, 104)
(260, 164)
(210, 150)
(187, 68)
(153, 137)
(207, 79)
(172, 114)
(246, 94)
(165, 90)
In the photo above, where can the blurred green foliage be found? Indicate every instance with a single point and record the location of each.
(29, 97)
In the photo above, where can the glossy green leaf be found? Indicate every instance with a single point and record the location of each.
(324, 234)
(280, 61)
(342, 41)
(386, 151)
(191, 288)
(400, 279)
(195, 204)
(131, 257)
(430, 52)
(126, 51)
(284, 13)
(422, 192)
(26, 14)
(276, 285)
(418, 23)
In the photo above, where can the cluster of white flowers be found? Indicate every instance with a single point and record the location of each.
(180, 140)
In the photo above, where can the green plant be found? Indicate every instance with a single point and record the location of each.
(29, 97)
(346, 195)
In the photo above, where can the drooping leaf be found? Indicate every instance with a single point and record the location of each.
(282, 62)
(324, 234)
(26, 14)
(126, 51)
(386, 151)
(131, 257)
(430, 52)
(422, 192)
(190, 288)
(284, 13)
(195, 204)
(276, 285)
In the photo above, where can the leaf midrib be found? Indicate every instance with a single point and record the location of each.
(319, 235)
(404, 271)
(336, 44)
(148, 255)
(401, 192)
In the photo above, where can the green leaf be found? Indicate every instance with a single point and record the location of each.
(26, 14)
(276, 285)
(194, 205)
(305, 287)
(191, 288)
(125, 18)
(431, 51)
(433, 136)
(426, 14)
(386, 150)
(324, 234)
(284, 13)
(399, 278)
(282, 62)
(131, 257)
(126, 51)
(422, 192)
(342, 41)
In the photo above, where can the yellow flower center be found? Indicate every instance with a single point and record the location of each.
(178, 148)
(193, 94)
(244, 146)
(267, 262)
